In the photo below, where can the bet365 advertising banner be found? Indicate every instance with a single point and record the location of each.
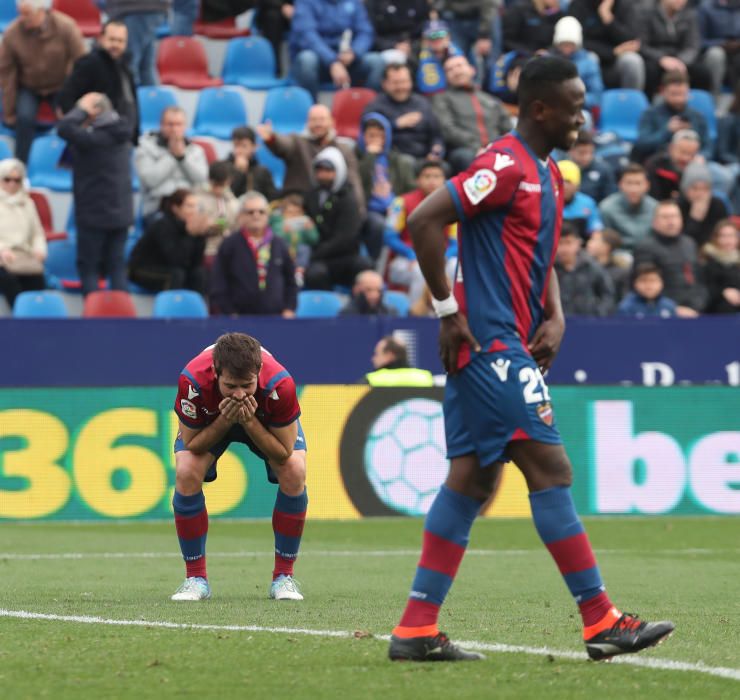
(99, 453)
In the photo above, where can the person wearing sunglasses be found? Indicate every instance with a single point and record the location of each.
(22, 240)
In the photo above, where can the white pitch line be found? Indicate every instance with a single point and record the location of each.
(658, 664)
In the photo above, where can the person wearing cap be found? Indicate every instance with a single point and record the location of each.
(597, 176)
(567, 42)
(580, 209)
(529, 25)
(436, 48)
(700, 209)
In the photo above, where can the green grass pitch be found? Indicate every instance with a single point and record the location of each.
(355, 577)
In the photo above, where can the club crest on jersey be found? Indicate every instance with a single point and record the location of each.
(480, 185)
(544, 411)
(188, 408)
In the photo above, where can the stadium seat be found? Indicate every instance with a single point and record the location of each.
(621, 110)
(318, 304)
(398, 301)
(44, 210)
(222, 29)
(275, 165)
(702, 101)
(347, 109)
(179, 303)
(182, 61)
(5, 151)
(108, 304)
(61, 265)
(8, 12)
(250, 62)
(71, 226)
(84, 12)
(208, 148)
(287, 108)
(153, 99)
(218, 111)
(43, 168)
(43, 304)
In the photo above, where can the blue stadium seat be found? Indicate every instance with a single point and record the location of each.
(43, 168)
(397, 300)
(5, 151)
(250, 62)
(702, 101)
(8, 12)
(152, 101)
(287, 108)
(179, 303)
(61, 265)
(275, 165)
(621, 110)
(318, 304)
(218, 111)
(43, 304)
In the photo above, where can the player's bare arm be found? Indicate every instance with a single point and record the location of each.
(275, 443)
(200, 441)
(547, 338)
(427, 226)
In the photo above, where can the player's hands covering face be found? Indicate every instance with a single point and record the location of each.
(247, 410)
(229, 408)
(453, 332)
(546, 342)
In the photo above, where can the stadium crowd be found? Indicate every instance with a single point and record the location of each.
(650, 222)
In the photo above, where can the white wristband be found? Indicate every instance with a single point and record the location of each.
(446, 307)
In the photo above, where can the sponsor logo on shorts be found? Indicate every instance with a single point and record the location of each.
(481, 184)
(501, 368)
(188, 408)
(544, 411)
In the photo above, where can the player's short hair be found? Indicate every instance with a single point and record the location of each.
(633, 169)
(237, 353)
(646, 268)
(541, 76)
(397, 349)
(430, 165)
(243, 133)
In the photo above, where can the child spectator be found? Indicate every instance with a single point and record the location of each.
(601, 247)
(219, 205)
(580, 209)
(249, 175)
(289, 222)
(597, 176)
(722, 268)
(568, 43)
(647, 299)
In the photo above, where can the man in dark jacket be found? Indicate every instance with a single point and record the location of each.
(666, 167)
(529, 25)
(367, 297)
(398, 24)
(100, 148)
(332, 205)
(104, 70)
(674, 254)
(416, 130)
(254, 272)
(248, 173)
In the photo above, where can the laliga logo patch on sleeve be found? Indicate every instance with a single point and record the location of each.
(188, 408)
(480, 185)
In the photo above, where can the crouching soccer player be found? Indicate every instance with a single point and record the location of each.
(236, 391)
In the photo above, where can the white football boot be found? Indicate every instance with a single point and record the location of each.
(193, 588)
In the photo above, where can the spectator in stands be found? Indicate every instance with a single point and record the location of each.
(104, 69)
(728, 144)
(170, 253)
(529, 25)
(391, 366)
(646, 299)
(299, 150)
(666, 167)
(580, 209)
(331, 40)
(659, 123)
(674, 254)
(403, 267)
(184, 14)
(398, 25)
(273, 21)
(630, 210)
(472, 24)
(722, 268)
(167, 161)
(367, 297)
(602, 247)
(331, 203)
(670, 42)
(219, 205)
(611, 31)
(597, 176)
(719, 27)
(99, 140)
(700, 209)
(436, 48)
(22, 240)
(248, 173)
(37, 53)
(585, 287)
(469, 118)
(416, 130)
(567, 43)
(142, 18)
(254, 272)
(384, 174)
(504, 81)
(290, 222)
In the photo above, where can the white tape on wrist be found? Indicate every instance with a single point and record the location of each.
(446, 307)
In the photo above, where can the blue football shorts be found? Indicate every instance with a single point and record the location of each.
(238, 434)
(498, 397)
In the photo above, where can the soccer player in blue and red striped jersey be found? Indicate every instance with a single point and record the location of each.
(236, 391)
(501, 326)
